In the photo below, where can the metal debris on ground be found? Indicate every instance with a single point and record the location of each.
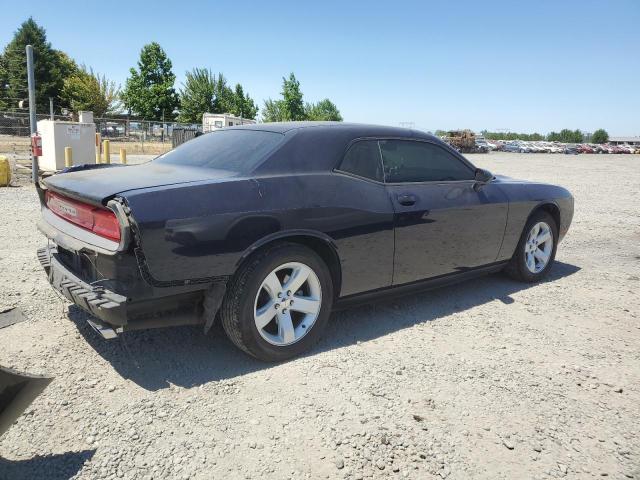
(10, 316)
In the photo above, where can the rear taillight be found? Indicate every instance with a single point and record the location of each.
(98, 220)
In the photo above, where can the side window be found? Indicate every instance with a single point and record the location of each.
(363, 159)
(410, 161)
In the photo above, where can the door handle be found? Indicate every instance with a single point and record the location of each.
(407, 199)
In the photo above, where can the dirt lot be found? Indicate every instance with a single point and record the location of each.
(489, 379)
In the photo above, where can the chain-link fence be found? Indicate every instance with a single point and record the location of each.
(137, 136)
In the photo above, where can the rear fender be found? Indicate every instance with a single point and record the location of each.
(284, 235)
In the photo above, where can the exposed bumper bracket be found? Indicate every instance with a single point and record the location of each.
(104, 304)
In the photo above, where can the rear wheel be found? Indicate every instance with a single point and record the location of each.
(278, 303)
(536, 250)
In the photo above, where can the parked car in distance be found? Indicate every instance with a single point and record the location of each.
(270, 227)
(517, 146)
(626, 148)
(606, 148)
(481, 144)
(616, 149)
(495, 145)
(584, 148)
(571, 149)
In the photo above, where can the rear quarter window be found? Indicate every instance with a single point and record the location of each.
(363, 159)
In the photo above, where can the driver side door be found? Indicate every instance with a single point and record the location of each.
(443, 222)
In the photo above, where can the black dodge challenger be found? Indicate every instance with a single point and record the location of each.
(270, 227)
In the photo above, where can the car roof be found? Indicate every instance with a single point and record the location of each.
(358, 129)
(318, 146)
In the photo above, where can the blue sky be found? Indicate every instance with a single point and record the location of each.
(523, 66)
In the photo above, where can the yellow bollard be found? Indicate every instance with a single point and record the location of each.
(5, 171)
(98, 143)
(123, 156)
(106, 151)
(68, 157)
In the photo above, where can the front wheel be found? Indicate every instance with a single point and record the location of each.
(278, 303)
(536, 250)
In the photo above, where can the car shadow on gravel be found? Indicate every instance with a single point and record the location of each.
(52, 467)
(183, 356)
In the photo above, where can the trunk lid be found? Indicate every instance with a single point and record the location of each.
(97, 185)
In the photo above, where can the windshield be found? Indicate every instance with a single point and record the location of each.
(232, 150)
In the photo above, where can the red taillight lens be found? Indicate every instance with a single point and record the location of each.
(100, 221)
(106, 224)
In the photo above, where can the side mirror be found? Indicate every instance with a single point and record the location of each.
(483, 176)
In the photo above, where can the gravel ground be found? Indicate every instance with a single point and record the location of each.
(487, 379)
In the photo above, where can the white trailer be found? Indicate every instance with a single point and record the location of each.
(215, 121)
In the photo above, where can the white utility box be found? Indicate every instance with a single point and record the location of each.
(56, 135)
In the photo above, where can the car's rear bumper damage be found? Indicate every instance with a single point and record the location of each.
(108, 307)
(112, 312)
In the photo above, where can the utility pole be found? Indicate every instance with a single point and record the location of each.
(31, 81)
(51, 108)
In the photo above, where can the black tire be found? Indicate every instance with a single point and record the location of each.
(237, 312)
(517, 267)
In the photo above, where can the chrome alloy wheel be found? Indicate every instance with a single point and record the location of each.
(287, 304)
(538, 247)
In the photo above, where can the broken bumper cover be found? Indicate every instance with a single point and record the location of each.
(109, 308)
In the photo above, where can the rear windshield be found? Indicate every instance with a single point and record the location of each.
(232, 150)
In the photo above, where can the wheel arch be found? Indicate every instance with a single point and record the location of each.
(319, 242)
(551, 208)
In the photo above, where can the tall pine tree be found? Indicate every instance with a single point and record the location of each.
(50, 68)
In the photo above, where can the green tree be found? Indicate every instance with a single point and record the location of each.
(324, 110)
(578, 136)
(50, 67)
(225, 100)
(203, 92)
(566, 135)
(198, 95)
(600, 136)
(553, 137)
(534, 137)
(273, 111)
(4, 101)
(149, 90)
(292, 107)
(243, 104)
(86, 90)
(292, 97)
